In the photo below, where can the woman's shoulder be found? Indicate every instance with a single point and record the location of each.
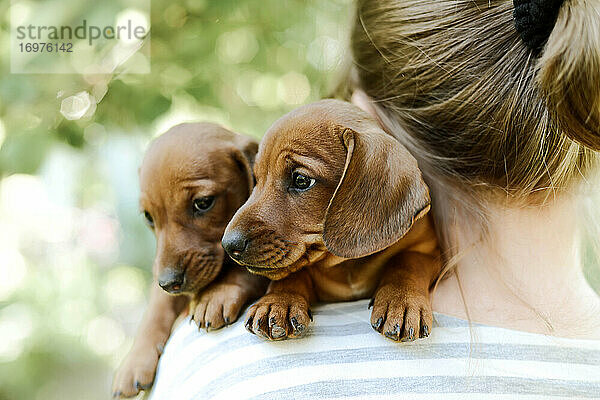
(341, 356)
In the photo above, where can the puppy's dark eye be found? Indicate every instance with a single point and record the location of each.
(302, 182)
(149, 218)
(203, 204)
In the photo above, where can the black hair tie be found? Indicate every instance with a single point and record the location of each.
(534, 20)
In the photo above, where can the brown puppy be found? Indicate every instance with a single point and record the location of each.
(337, 214)
(193, 179)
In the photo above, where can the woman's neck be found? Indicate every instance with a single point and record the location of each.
(526, 275)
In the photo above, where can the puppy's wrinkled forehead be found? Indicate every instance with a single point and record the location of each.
(314, 131)
(188, 152)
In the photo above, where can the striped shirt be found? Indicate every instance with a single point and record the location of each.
(341, 357)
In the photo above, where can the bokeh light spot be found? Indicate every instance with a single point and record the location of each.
(104, 335)
(235, 47)
(13, 271)
(21, 191)
(138, 19)
(16, 325)
(124, 286)
(325, 53)
(293, 88)
(175, 16)
(81, 105)
(19, 12)
(264, 91)
(75, 314)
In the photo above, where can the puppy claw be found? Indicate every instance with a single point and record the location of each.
(280, 316)
(394, 334)
(277, 332)
(262, 335)
(401, 313)
(260, 328)
(310, 315)
(377, 324)
(137, 372)
(297, 327)
(248, 324)
(371, 304)
(219, 305)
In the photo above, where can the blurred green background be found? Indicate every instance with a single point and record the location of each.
(75, 254)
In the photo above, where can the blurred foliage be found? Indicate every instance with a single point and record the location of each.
(75, 255)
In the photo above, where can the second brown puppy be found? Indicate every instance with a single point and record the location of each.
(192, 180)
(338, 213)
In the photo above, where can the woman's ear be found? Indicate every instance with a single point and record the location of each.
(362, 101)
(378, 198)
(244, 153)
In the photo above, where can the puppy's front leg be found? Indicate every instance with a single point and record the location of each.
(401, 304)
(284, 312)
(137, 370)
(220, 303)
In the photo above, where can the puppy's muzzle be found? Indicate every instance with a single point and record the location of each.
(235, 244)
(171, 280)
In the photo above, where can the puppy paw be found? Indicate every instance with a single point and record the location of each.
(401, 313)
(136, 373)
(219, 305)
(278, 316)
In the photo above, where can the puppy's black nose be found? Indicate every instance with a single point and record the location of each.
(234, 243)
(171, 280)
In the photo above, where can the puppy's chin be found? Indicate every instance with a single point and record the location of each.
(273, 274)
(280, 268)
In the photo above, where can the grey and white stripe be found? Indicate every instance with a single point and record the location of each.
(342, 358)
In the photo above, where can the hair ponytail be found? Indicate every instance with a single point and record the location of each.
(569, 72)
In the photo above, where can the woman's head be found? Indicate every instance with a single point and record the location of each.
(454, 81)
(483, 113)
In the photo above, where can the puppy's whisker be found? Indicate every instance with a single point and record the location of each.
(312, 232)
(286, 241)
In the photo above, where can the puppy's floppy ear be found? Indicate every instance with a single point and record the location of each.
(244, 152)
(378, 198)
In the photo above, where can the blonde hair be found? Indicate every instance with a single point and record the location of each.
(454, 82)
